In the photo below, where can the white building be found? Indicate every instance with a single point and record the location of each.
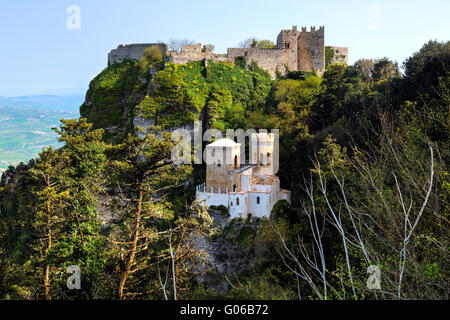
(247, 189)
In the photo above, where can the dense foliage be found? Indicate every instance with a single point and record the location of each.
(179, 93)
(364, 149)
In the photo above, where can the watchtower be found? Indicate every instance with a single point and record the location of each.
(262, 152)
(222, 156)
(311, 50)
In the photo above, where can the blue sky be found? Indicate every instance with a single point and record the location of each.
(39, 54)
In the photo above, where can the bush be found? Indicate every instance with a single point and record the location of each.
(151, 54)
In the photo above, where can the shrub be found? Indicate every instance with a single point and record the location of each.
(151, 54)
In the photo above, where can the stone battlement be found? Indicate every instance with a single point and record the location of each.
(340, 55)
(296, 51)
(313, 30)
(133, 51)
(195, 52)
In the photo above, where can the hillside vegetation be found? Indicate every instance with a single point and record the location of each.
(364, 149)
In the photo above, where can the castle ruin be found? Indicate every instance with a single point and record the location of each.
(295, 51)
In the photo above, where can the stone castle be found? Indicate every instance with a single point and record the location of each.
(295, 51)
(243, 189)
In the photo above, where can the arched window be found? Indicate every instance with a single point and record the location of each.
(237, 201)
(234, 188)
(235, 162)
(268, 158)
(258, 200)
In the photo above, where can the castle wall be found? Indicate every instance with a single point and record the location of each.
(262, 209)
(311, 50)
(213, 199)
(271, 60)
(132, 51)
(238, 210)
(296, 51)
(340, 55)
(195, 52)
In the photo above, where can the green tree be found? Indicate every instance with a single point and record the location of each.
(151, 55)
(51, 210)
(83, 175)
(265, 44)
(146, 173)
(384, 69)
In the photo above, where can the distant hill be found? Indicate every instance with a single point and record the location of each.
(68, 103)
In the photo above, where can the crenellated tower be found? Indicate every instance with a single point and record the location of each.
(305, 49)
(311, 50)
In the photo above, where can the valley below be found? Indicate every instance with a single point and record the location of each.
(26, 126)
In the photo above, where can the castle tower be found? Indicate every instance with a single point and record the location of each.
(221, 157)
(262, 152)
(287, 41)
(311, 50)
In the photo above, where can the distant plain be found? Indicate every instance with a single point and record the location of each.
(26, 125)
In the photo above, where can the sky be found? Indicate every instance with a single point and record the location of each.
(58, 46)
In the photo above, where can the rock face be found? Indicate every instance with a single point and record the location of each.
(229, 254)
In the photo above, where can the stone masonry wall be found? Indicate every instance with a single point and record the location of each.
(218, 180)
(311, 50)
(340, 55)
(195, 52)
(132, 51)
(296, 50)
(271, 60)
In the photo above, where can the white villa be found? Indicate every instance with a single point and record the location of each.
(249, 189)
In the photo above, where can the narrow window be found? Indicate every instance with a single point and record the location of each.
(268, 158)
(234, 188)
(235, 162)
(224, 155)
(237, 201)
(231, 203)
(257, 200)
